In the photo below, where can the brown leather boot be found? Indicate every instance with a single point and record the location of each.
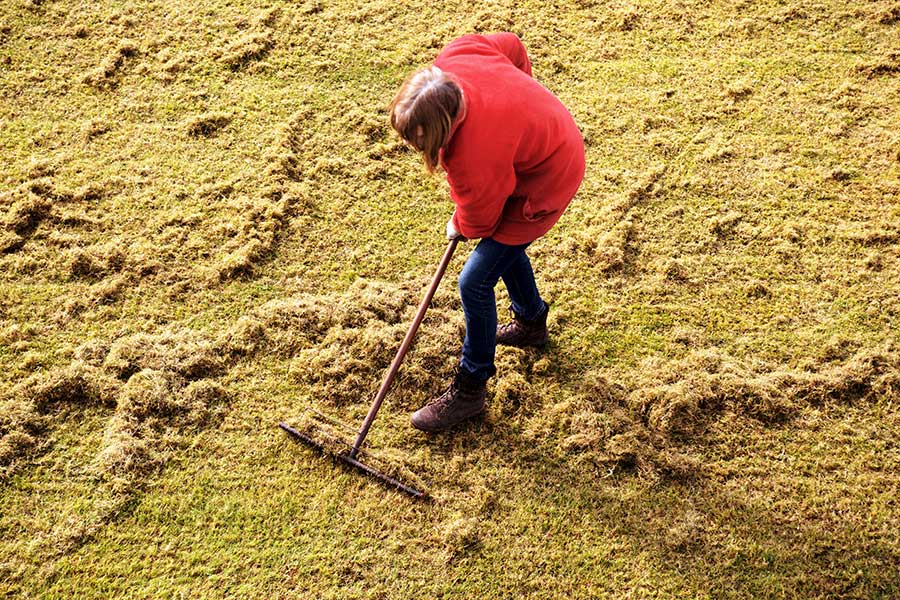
(463, 400)
(521, 333)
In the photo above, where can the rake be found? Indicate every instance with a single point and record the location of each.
(353, 455)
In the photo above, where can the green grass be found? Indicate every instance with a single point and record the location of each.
(714, 418)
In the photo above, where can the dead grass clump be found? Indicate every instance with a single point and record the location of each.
(153, 410)
(630, 450)
(20, 428)
(646, 186)
(757, 289)
(367, 300)
(10, 242)
(673, 270)
(332, 438)
(600, 392)
(288, 326)
(125, 455)
(839, 174)
(874, 262)
(434, 355)
(25, 214)
(92, 353)
(95, 128)
(888, 65)
(738, 90)
(510, 387)
(344, 367)
(39, 168)
(17, 333)
(96, 261)
(171, 67)
(78, 31)
(787, 14)
(670, 402)
(722, 225)
(372, 126)
(609, 252)
(606, 247)
(630, 446)
(460, 537)
(13, 446)
(606, 242)
(154, 407)
(673, 397)
(107, 291)
(583, 422)
(672, 410)
(263, 219)
(868, 375)
(269, 17)
(656, 122)
(283, 327)
(875, 237)
(589, 427)
(76, 384)
(151, 394)
(240, 261)
(627, 20)
(205, 399)
(207, 124)
(717, 152)
(244, 337)
(103, 75)
(888, 15)
(22, 420)
(342, 343)
(249, 47)
(216, 190)
(184, 352)
(838, 348)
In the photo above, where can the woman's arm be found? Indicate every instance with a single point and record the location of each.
(480, 198)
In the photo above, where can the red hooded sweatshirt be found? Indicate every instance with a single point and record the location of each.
(516, 156)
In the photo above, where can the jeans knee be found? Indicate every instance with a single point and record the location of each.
(471, 289)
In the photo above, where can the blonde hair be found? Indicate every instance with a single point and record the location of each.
(423, 111)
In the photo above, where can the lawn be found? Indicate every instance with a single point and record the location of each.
(207, 226)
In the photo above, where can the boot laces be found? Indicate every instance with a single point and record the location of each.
(441, 402)
(516, 324)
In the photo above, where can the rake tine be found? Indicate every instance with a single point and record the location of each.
(352, 462)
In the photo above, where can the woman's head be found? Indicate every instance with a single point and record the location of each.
(423, 111)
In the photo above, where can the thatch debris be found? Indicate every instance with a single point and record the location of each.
(643, 428)
(103, 76)
(247, 48)
(207, 124)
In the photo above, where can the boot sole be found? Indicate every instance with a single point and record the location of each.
(535, 345)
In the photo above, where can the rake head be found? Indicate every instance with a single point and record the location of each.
(329, 436)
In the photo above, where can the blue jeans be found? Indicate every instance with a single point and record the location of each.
(489, 261)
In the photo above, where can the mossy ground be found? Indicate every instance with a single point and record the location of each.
(208, 227)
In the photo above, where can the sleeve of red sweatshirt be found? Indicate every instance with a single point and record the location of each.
(511, 46)
(480, 195)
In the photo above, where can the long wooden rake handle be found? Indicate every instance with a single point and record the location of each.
(404, 347)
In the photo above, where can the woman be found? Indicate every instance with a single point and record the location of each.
(514, 159)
